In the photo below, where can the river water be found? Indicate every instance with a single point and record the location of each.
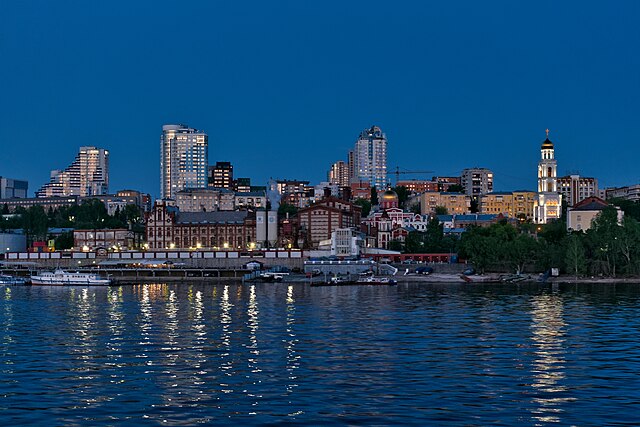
(421, 354)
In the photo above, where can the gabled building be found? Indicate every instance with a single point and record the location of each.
(581, 216)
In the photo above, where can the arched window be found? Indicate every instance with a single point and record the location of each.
(549, 171)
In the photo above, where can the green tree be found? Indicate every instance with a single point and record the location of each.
(403, 195)
(474, 208)
(521, 251)
(441, 210)
(35, 224)
(64, 241)
(627, 244)
(365, 205)
(395, 245)
(575, 255)
(286, 208)
(374, 196)
(455, 188)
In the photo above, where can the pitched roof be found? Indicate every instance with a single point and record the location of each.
(590, 204)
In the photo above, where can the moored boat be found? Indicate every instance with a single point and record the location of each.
(11, 280)
(373, 280)
(61, 278)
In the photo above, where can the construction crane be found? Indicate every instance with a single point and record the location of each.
(399, 172)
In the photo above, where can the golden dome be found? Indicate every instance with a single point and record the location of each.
(389, 195)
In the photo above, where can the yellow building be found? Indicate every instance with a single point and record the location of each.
(515, 205)
(497, 203)
(455, 203)
(523, 202)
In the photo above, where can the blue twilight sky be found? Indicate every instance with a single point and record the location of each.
(283, 88)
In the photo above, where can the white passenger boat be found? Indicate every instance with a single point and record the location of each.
(61, 277)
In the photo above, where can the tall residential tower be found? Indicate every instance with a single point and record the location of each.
(370, 158)
(88, 175)
(183, 159)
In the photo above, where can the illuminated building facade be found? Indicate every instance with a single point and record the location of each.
(548, 205)
(183, 159)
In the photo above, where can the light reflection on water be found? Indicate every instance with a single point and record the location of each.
(272, 353)
(548, 368)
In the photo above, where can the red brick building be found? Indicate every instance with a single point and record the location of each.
(167, 227)
(318, 221)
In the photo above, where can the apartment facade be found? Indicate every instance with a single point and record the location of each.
(88, 175)
(370, 158)
(455, 203)
(576, 188)
(477, 181)
(183, 159)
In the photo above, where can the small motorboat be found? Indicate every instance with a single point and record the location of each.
(373, 280)
(11, 280)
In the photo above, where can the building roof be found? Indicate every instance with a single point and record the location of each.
(499, 193)
(250, 194)
(590, 204)
(229, 217)
(389, 195)
(547, 144)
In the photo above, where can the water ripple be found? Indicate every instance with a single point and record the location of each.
(185, 354)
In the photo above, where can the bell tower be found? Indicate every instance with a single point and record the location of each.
(548, 205)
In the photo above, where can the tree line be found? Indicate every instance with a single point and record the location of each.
(608, 248)
(90, 214)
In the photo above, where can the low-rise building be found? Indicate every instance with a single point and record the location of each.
(205, 200)
(346, 242)
(465, 221)
(13, 188)
(319, 220)
(418, 185)
(167, 227)
(580, 217)
(46, 202)
(250, 199)
(629, 192)
(116, 239)
(516, 204)
(454, 203)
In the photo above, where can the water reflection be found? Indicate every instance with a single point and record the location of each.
(226, 361)
(115, 325)
(548, 335)
(290, 345)
(7, 336)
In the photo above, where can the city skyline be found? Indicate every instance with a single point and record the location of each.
(452, 87)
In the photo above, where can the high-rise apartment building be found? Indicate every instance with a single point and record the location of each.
(221, 175)
(548, 205)
(13, 188)
(477, 181)
(183, 159)
(339, 174)
(576, 188)
(370, 158)
(88, 175)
